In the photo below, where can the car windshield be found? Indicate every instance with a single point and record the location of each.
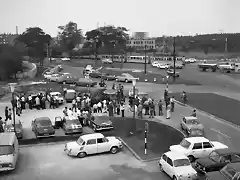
(214, 156)
(185, 143)
(6, 150)
(181, 162)
(193, 121)
(228, 172)
(43, 123)
(75, 121)
(195, 132)
(80, 141)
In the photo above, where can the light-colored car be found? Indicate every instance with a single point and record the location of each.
(125, 77)
(155, 64)
(92, 144)
(54, 77)
(65, 59)
(107, 61)
(70, 95)
(58, 97)
(190, 60)
(189, 123)
(163, 66)
(177, 166)
(197, 147)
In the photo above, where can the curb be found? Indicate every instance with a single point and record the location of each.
(209, 115)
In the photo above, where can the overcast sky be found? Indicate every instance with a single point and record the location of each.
(158, 17)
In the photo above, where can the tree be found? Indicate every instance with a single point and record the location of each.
(10, 62)
(36, 41)
(70, 36)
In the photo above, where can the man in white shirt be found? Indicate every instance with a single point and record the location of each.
(30, 101)
(99, 107)
(122, 109)
(172, 102)
(95, 108)
(37, 101)
(70, 112)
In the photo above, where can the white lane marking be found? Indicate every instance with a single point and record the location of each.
(217, 131)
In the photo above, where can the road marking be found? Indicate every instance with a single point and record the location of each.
(217, 131)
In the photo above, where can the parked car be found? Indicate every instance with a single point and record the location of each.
(163, 66)
(58, 97)
(107, 61)
(54, 77)
(217, 160)
(65, 59)
(109, 77)
(177, 66)
(155, 64)
(42, 127)
(189, 122)
(68, 79)
(71, 125)
(196, 131)
(95, 74)
(99, 123)
(170, 72)
(70, 95)
(228, 172)
(125, 77)
(197, 147)
(18, 126)
(177, 166)
(190, 60)
(92, 144)
(85, 82)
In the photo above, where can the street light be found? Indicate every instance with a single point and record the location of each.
(145, 63)
(134, 81)
(12, 88)
(174, 59)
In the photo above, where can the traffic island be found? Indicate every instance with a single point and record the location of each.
(214, 104)
(160, 137)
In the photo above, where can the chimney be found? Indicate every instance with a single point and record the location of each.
(17, 30)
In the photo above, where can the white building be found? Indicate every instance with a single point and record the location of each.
(141, 44)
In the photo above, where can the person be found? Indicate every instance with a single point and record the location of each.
(172, 102)
(6, 113)
(194, 113)
(10, 114)
(99, 107)
(165, 95)
(95, 108)
(65, 111)
(70, 112)
(30, 101)
(74, 105)
(140, 108)
(151, 107)
(122, 108)
(184, 97)
(19, 108)
(104, 104)
(1, 125)
(110, 109)
(168, 112)
(118, 108)
(160, 106)
(37, 102)
(23, 102)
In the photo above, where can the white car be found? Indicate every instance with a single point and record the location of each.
(190, 60)
(163, 66)
(54, 77)
(177, 166)
(155, 64)
(107, 61)
(125, 77)
(58, 96)
(93, 144)
(197, 147)
(65, 59)
(47, 75)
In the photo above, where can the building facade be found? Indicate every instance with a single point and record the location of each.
(7, 38)
(141, 44)
(140, 35)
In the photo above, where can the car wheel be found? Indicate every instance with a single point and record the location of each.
(114, 150)
(161, 168)
(81, 155)
(191, 158)
(174, 178)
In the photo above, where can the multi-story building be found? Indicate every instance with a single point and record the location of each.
(7, 38)
(141, 44)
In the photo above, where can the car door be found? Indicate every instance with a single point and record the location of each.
(207, 148)
(102, 145)
(164, 162)
(197, 150)
(169, 166)
(91, 146)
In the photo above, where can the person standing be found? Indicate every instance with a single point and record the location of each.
(19, 108)
(172, 102)
(99, 107)
(168, 111)
(160, 107)
(30, 102)
(140, 107)
(122, 108)
(37, 102)
(74, 105)
(165, 95)
(6, 113)
(151, 107)
(10, 114)
(118, 108)
(110, 109)
(23, 102)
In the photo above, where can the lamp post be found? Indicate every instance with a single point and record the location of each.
(145, 63)
(134, 81)
(174, 59)
(12, 88)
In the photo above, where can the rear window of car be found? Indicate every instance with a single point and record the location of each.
(6, 150)
(43, 123)
(185, 143)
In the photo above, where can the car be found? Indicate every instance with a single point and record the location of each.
(92, 144)
(189, 123)
(47, 75)
(177, 66)
(54, 77)
(85, 82)
(65, 59)
(42, 127)
(190, 60)
(197, 147)
(228, 172)
(217, 160)
(196, 131)
(108, 77)
(18, 126)
(70, 95)
(95, 74)
(67, 79)
(155, 64)
(163, 66)
(107, 61)
(71, 125)
(125, 77)
(177, 166)
(58, 96)
(99, 123)
(170, 72)
(203, 67)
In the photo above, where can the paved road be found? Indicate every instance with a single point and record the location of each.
(50, 162)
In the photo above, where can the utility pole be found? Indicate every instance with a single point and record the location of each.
(174, 58)
(226, 47)
(145, 64)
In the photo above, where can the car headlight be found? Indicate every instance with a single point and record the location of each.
(10, 165)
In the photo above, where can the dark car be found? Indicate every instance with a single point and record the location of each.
(85, 82)
(95, 74)
(228, 172)
(18, 127)
(100, 123)
(217, 160)
(67, 79)
(171, 73)
(42, 127)
(109, 77)
(71, 125)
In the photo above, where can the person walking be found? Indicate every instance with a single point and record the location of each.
(160, 107)
(6, 113)
(19, 108)
(111, 109)
(122, 108)
(172, 102)
(168, 111)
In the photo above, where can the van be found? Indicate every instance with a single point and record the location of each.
(70, 95)
(9, 151)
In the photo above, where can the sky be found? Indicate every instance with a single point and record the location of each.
(157, 17)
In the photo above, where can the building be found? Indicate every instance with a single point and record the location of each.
(141, 44)
(140, 35)
(7, 38)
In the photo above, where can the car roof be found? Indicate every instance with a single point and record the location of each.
(174, 155)
(92, 136)
(226, 151)
(190, 118)
(235, 166)
(71, 90)
(42, 118)
(197, 139)
(7, 138)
